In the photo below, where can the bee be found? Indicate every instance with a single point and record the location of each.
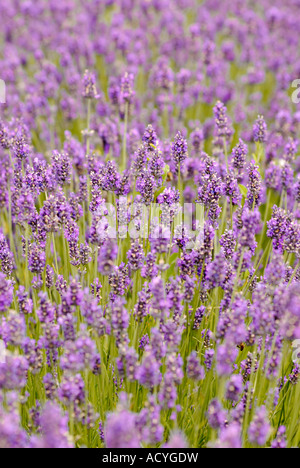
(241, 346)
(170, 177)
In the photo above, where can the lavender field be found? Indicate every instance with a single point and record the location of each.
(149, 224)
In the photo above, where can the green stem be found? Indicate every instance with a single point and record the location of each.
(54, 252)
(124, 149)
(225, 153)
(26, 257)
(294, 273)
(264, 225)
(88, 126)
(180, 188)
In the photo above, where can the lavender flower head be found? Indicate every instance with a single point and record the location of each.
(179, 149)
(260, 130)
(89, 85)
(259, 428)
